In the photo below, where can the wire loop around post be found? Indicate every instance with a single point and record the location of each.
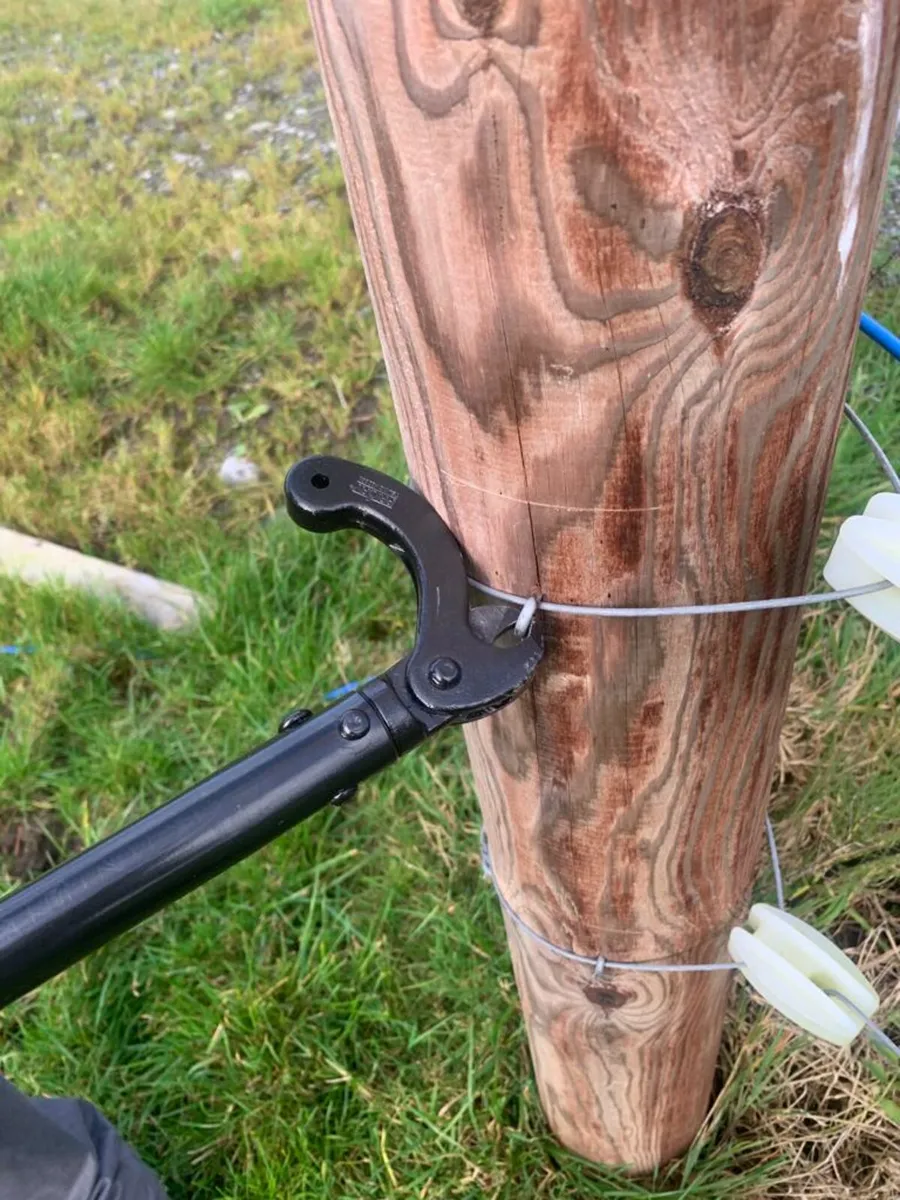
(705, 610)
(599, 964)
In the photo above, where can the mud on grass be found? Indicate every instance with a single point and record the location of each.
(30, 845)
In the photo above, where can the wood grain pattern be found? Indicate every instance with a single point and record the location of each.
(616, 252)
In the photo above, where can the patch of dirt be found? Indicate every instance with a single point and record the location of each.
(29, 846)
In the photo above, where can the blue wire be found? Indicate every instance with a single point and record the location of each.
(346, 688)
(881, 335)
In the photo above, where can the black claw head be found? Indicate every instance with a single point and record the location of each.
(490, 666)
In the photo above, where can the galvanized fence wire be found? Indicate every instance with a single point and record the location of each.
(531, 604)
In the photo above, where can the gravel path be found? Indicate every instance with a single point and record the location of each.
(208, 112)
(187, 101)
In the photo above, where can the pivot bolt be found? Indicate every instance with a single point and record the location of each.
(354, 725)
(445, 673)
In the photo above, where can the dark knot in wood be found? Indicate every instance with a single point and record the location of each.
(481, 13)
(606, 996)
(724, 259)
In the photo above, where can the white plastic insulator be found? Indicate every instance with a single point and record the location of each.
(867, 550)
(791, 964)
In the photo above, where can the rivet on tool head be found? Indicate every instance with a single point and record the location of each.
(445, 673)
(354, 725)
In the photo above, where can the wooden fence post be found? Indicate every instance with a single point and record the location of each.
(617, 253)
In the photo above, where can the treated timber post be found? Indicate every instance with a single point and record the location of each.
(617, 252)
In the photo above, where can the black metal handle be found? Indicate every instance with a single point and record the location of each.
(455, 672)
(84, 903)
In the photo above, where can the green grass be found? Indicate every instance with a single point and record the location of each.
(103, 23)
(336, 1017)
